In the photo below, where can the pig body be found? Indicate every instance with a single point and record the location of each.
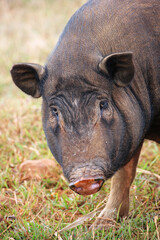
(101, 94)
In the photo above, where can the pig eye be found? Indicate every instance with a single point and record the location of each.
(103, 105)
(55, 111)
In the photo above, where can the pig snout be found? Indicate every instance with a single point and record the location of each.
(87, 186)
(89, 181)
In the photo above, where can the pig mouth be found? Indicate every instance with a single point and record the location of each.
(86, 181)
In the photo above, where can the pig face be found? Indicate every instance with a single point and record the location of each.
(80, 127)
(85, 130)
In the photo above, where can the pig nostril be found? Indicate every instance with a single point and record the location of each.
(75, 189)
(72, 186)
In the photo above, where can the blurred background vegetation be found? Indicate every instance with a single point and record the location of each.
(29, 29)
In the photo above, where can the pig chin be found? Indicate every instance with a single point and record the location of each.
(86, 179)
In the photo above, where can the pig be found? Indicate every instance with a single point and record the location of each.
(100, 90)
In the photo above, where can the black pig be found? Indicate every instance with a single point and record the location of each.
(101, 94)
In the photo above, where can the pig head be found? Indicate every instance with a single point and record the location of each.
(86, 131)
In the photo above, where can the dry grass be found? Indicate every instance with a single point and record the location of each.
(37, 209)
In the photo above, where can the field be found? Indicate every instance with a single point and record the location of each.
(37, 208)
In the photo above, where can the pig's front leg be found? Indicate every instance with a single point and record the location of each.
(119, 196)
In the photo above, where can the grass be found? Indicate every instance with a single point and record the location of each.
(36, 209)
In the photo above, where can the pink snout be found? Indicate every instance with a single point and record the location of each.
(87, 186)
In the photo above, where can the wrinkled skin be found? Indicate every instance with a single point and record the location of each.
(101, 95)
(84, 135)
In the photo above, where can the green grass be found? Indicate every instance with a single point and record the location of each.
(36, 209)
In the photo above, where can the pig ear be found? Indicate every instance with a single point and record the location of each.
(27, 77)
(118, 66)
